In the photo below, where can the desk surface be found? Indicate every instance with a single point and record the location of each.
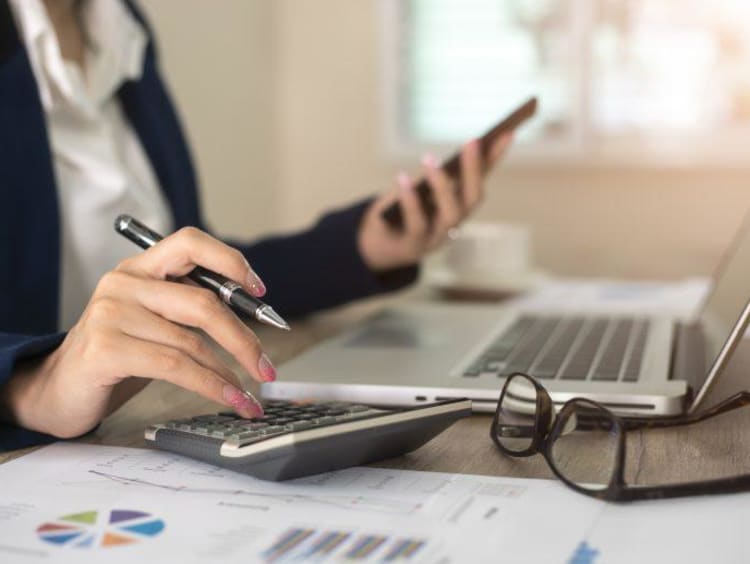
(704, 451)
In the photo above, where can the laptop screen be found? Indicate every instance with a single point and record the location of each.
(724, 310)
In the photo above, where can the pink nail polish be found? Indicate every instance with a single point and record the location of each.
(429, 160)
(243, 402)
(266, 368)
(404, 181)
(257, 288)
(257, 408)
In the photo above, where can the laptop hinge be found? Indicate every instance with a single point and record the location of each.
(689, 356)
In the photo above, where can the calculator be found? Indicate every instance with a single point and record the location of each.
(295, 439)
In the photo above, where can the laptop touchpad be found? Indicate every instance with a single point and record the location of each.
(395, 334)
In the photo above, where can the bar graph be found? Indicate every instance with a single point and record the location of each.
(312, 545)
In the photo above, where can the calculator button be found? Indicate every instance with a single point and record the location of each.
(326, 419)
(212, 419)
(343, 406)
(276, 403)
(251, 426)
(177, 424)
(299, 425)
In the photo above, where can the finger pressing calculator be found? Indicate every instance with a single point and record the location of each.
(298, 439)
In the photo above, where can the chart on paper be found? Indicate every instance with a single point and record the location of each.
(355, 490)
(295, 545)
(89, 504)
(100, 529)
(357, 514)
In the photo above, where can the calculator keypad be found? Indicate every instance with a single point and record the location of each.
(279, 417)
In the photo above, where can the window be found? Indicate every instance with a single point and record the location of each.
(666, 79)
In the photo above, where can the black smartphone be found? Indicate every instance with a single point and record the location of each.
(392, 214)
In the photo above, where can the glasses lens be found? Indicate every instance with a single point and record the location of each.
(516, 415)
(584, 446)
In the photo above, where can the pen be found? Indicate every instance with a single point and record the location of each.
(229, 291)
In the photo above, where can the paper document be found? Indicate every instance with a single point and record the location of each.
(84, 503)
(78, 503)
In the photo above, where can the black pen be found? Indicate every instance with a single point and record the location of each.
(228, 290)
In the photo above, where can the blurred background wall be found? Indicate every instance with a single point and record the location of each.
(285, 105)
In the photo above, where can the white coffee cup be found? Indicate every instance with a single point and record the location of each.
(484, 254)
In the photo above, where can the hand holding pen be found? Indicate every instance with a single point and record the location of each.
(229, 291)
(137, 327)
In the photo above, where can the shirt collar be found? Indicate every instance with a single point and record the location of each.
(116, 54)
(119, 45)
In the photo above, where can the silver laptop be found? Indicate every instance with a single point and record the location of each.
(420, 353)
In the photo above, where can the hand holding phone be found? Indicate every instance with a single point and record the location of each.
(452, 167)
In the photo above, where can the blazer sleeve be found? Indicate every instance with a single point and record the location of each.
(313, 269)
(306, 271)
(320, 267)
(14, 348)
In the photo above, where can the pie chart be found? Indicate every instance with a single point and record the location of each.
(90, 529)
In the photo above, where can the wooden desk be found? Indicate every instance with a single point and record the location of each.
(708, 450)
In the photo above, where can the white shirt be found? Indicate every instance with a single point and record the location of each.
(100, 166)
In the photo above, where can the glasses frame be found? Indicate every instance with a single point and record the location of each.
(548, 428)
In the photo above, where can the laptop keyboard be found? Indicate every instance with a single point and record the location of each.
(599, 349)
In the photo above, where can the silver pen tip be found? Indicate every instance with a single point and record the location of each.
(269, 316)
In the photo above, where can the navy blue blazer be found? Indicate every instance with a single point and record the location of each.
(306, 271)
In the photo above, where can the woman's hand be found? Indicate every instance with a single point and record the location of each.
(383, 248)
(137, 324)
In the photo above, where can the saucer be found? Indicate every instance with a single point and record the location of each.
(481, 287)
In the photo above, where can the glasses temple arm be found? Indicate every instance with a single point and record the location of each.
(708, 487)
(740, 399)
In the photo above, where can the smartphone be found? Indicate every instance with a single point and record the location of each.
(392, 214)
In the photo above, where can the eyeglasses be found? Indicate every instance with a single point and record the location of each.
(584, 443)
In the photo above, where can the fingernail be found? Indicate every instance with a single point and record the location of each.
(243, 402)
(404, 181)
(266, 368)
(257, 288)
(257, 409)
(429, 160)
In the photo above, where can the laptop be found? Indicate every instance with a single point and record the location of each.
(644, 365)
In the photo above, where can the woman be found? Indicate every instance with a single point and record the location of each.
(87, 131)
